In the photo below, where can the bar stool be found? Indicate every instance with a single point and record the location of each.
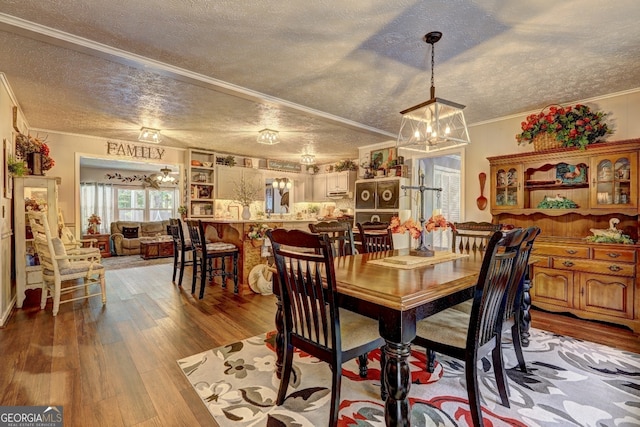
(205, 254)
(181, 248)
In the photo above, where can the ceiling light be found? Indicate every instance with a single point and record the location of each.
(149, 135)
(268, 137)
(436, 124)
(281, 183)
(308, 159)
(165, 177)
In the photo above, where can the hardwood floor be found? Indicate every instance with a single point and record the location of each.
(116, 366)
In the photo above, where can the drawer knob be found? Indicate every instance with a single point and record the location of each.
(614, 267)
(568, 264)
(572, 251)
(613, 255)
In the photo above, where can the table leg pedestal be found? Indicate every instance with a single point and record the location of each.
(397, 377)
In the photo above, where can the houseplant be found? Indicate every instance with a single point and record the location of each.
(575, 126)
(16, 167)
(182, 210)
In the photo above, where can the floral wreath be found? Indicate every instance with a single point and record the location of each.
(439, 222)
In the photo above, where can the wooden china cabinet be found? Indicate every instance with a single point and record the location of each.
(567, 192)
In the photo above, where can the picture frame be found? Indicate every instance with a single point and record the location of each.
(383, 158)
(7, 185)
(248, 163)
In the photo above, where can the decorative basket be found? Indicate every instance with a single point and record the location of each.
(546, 141)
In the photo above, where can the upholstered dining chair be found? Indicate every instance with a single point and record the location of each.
(182, 249)
(340, 235)
(375, 236)
(59, 267)
(313, 322)
(472, 237)
(472, 336)
(204, 256)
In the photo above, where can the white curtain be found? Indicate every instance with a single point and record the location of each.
(97, 198)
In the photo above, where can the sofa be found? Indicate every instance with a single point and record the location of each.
(126, 241)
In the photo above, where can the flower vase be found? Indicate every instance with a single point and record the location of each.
(34, 163)
(246, 213)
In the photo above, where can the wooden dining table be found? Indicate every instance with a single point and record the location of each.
(397, 298)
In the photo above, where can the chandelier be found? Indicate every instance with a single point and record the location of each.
(149, 135)
(282, 183)
(268, 137)
(307, 159)
(433, 125)
(165, 177)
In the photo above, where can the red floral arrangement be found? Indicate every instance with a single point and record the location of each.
(576, 126)
(26, 144)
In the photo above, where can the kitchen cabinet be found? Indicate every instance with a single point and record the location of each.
(31, 192)
(303, 188)
(380, 199)
(568, 192)
(201, 183)
(320, 187)
(339, 183)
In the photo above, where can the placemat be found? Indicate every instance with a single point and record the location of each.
(408, 262)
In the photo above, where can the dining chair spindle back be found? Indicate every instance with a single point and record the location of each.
(313, 322)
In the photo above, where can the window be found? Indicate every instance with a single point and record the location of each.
(162, 204)
(146, 204)
(131, 204)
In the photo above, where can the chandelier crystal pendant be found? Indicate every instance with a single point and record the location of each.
(436, 124)
(268, 137)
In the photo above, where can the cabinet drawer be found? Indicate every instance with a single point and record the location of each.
(619, 255)
(565, 251)
(602, 267)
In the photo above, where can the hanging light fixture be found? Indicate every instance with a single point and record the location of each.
(165, 177)
(281, 183)
(436, 124)
(149, 135)
(268, 137)
(307, 159)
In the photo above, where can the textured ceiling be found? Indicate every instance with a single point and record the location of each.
(330, 76)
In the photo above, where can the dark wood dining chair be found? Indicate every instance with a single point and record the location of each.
(313, 322)
(472, 237)
(205, 255)
(375, 236)
(472, 336)
(513, 301)
(340, 235)
(182, 249)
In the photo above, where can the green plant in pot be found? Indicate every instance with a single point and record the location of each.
(16, 167)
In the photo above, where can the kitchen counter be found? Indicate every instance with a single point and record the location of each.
(235, 232)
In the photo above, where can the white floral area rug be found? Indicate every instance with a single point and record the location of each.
(570, 383)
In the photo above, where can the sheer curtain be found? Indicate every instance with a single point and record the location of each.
(97, 198)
